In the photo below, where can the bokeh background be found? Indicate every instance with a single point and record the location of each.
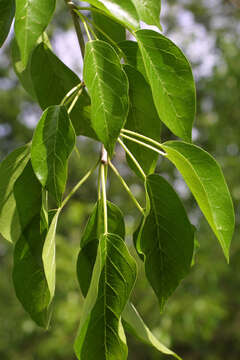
(202, 319)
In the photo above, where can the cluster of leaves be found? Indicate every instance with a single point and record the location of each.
(129, 89)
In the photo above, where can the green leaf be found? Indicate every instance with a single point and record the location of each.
(135, 325)
(108, 88)
(7, 11)
(32, 18)
(166, 239)
(141, 109)
(171, 80)
(122, 10)
(133, 56)
(10, 169)
(52, 144)
(149, 11)
(89, 241)
(52, 80)
(22, 72)
(205, 179)
(113, 278)
(28, 274)
(48, 255)
(112, 28)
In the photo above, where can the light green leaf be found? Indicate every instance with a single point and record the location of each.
(48, 255)
(112, 28)
(171, 80)
(7, 11)
(52, 144)
(28, 275)
(10, 169)
(32, 18)
(142, 118)
(166, 239)
(149, 11)
(135, 325)
(133, 56)
(122, 10)
(52, 80)
(205, 179)
(89, 241)
(108, 88)
(113, 278)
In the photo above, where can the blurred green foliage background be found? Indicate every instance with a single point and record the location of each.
(202, 319)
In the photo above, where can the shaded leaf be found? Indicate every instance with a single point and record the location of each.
(10, 169)
(171, 80)
(28, 275)
(32, 18)
(108, 88)
(89, 241)
(53, 142)
(113, 278)
(52, 80)
(166, 239)
(112, 28)
(205, 179)
(149, 11)
(7, 11)
(122, 10)
(135, 325)
(133, 56)
(142, 118)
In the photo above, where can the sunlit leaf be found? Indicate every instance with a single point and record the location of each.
(166, 239)
(171, 80)
(32, 18)
(7, 11)
(10, 169)
(205, 179)
(108, 88)
(149, 11)
(52, 144)
(113, 279)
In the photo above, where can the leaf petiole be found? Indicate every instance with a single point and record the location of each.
(140, 136)
(67, 98)
(144, 144)
(133, 158)
(74, 101)
(104, 195)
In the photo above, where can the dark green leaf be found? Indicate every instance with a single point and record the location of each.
(166, 239)
(205, 179)
(28, 274)
(108, 87)
(89, 241)
(52, 80)
(142, 118)
(53, 142)
(113, 278)
(32, 18)
(135, 325)
(10, 169)
(112, 28)
(7, 11)
(149, 11)
(171, 80)
(133, 56)
(122, 10)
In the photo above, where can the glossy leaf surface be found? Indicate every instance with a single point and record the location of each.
(205, 179)
(52, 80)
(108, 88)
(166, 239)
(135, 325)
(28, 274)
(7, 11)
(90, 240)
(149, 11)
(32, 18)
(122, 10)
(171, 80)
(113, 278)
(10, 169)
(52, 144)
(142, 118)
